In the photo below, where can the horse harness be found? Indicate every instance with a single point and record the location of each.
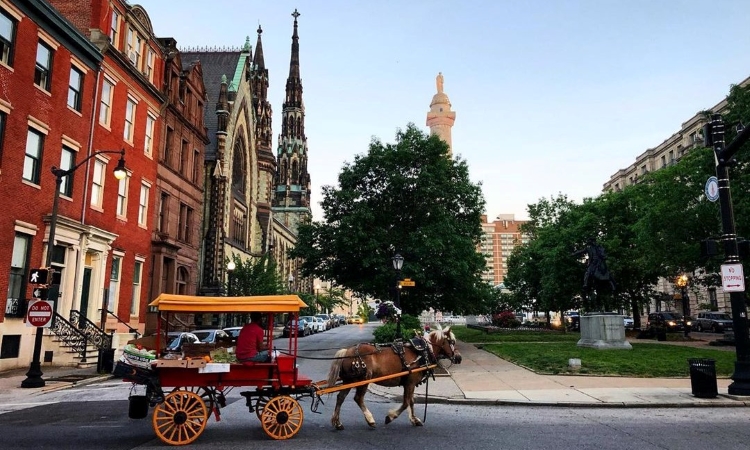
(420, 346)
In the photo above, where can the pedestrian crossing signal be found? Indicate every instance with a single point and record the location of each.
(38, 276)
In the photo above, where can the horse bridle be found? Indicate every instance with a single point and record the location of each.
(452, 345)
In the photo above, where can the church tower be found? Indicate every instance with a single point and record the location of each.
(263, 134)
(291, 202)
(440, 119)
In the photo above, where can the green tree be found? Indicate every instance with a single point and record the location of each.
(255, 276)
(408, 197)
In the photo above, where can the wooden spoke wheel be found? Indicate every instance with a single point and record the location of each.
(181, 418)
(282, 417)
(206, 394)
(260, 404)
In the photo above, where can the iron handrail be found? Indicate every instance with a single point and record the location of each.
(130, 329)
(93, 333)
(70, 335)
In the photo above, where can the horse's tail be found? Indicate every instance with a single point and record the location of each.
(338, 361)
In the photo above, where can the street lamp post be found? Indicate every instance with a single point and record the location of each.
(230, 287)
(681, 282)
(398, 263)
(713, 134)
(291, 282)
(34, 375)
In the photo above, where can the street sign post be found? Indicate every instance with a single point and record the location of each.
(732, 278)
(39, 314)
(407, 282)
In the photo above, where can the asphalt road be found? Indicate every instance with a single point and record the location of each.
(95, 417)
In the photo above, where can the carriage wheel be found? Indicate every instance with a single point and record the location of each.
(282, 417)
(206, 394)
(181, 418)
(260, 404)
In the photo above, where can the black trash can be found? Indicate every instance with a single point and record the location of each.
(106, 362)
(703, 377)
(138, 406)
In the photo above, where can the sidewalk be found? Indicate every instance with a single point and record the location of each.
(482, 378)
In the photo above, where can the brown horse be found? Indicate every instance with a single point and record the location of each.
(368, 361)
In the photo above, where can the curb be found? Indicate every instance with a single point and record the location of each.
(727, 401)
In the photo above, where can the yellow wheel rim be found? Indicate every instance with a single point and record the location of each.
(282, 417)
(204, 392)
(181, 418)
(259, 405)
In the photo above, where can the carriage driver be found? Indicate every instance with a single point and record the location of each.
(251, 346)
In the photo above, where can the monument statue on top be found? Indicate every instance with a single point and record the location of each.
(596, 270)
(439, 82)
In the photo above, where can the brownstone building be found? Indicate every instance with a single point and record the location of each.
(177, 216)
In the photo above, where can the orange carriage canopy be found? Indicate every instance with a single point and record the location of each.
(256, 303)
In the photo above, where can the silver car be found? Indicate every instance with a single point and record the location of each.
(717, 322)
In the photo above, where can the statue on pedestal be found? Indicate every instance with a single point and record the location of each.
(439, 82)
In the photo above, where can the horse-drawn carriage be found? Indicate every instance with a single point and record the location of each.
(184, 392)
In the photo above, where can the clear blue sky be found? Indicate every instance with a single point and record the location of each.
(551, 96)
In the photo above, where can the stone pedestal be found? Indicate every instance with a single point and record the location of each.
(603, 332)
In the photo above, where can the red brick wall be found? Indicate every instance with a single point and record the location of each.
(22, 201)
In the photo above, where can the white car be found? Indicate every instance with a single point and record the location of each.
(628, 322)
(319, 324)
(313, 324)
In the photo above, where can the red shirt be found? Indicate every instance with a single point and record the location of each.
(249, 341)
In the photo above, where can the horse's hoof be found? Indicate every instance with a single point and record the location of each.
(372, 424)
(340, 427)
(418, 423)
(388, 420)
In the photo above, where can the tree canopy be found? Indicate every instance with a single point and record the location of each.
(409, 197)
(650, 230)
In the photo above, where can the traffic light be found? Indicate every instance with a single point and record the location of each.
(743, 247)
(709, 248)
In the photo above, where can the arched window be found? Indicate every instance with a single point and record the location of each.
(238, 166)
(299, 127)
(295, 172)
(283, 171)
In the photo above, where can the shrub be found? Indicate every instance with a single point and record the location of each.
(387, 332)
(505, 319)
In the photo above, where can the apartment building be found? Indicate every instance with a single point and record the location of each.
(499, 239)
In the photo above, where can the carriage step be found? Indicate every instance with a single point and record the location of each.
(248, 400)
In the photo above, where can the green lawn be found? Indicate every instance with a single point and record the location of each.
(548, 353)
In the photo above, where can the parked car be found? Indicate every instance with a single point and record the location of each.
(327, 319)
(355, 320)
(668, 320)
(341, 319)
(175, 340)
(304, 328)
(717, 322)
(233, 332)
(315, 325)
(321, 324)
(572, 320)
(212, 336)
(628, 322)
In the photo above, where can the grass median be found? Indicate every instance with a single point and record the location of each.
(548, 352)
